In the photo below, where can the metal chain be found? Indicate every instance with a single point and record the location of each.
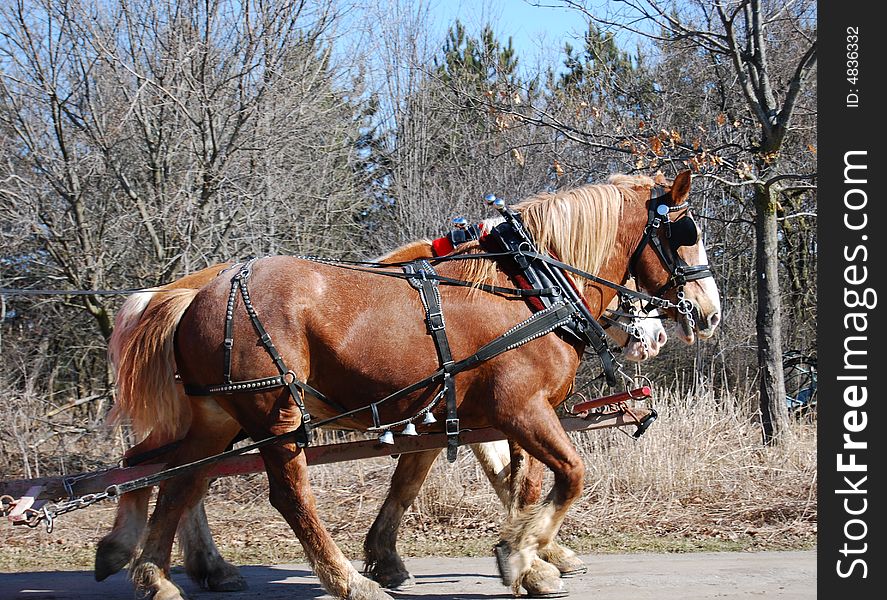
(631, 327)
(51, 510)
(685, 307)
(635, 332)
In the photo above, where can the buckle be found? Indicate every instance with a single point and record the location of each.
(452, 426)
(435, 321)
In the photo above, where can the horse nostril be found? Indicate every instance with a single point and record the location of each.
(662, 337)
(713, 321)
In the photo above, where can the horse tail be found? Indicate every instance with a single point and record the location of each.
(143, 355)
(126, 320)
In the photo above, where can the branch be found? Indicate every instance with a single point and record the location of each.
(774, 180)
(748, 90)
(795, 215)
(802, 71)
(761, 55)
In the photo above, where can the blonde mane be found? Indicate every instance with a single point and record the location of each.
(578, 226)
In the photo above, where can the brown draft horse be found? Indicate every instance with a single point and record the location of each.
(355, 340)
(203, 562)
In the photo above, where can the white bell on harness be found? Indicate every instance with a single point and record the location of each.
(387, 438)
(429, 419)
(409, 429)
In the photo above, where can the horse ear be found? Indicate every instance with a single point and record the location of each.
(680, 188)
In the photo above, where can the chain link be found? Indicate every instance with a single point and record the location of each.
(685, 307)
(635, 331)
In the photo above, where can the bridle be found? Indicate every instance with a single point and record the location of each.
(678, 232)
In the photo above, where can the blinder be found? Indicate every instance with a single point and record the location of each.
(683, 232)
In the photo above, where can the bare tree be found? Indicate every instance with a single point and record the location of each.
(764, 52)
(144, 140)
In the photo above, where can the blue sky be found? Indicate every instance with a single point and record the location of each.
(537, 32)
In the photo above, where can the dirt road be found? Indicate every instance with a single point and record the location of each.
(724, 576)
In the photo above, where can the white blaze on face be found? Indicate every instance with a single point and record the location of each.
(710, 290)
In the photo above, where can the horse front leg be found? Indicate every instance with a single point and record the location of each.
(290, 493)
(382, 563)
(495, 461)
(516, 475)
(531, 528)
(526, 482)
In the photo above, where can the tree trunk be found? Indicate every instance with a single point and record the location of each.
(774, 415)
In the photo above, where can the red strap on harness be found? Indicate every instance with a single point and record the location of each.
(443, 246)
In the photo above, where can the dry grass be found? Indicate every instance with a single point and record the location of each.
(698, 480)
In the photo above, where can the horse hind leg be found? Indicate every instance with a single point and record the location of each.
(117, 548)
(210, 431)
(203, 562)
(290, 493)
(150, 570)
(382, 563)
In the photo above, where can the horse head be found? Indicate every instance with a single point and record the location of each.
(670, 260)
(639, 333)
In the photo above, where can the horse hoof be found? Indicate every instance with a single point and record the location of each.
(557, 594)
(574, 572)
(564, 559)
(234, 583)
(542, 580)
(151, 583)
(399, 583)
(362, 588)
(391, 575)
(220, 577)
(163, 591)
(502, 551)
(110, 557)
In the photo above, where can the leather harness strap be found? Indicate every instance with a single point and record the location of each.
(286, 378)
(658, 215)
(512, 236)
(429, 293)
